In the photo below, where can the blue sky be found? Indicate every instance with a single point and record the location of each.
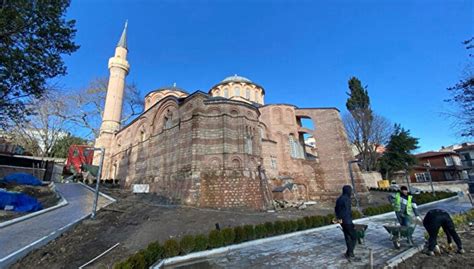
(301, 52)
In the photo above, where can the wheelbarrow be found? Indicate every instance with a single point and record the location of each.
(397, 232)
(360, 232)
(359, 228)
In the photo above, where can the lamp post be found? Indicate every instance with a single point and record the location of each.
(99, 173)
(428, 166)
(353, 183)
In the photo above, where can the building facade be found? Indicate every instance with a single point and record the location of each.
(440, 166)
(224, 147)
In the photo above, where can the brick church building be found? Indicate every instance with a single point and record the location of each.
(225, 147)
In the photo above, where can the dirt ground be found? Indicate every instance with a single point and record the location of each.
(44, 194)
(448, 259)
(134, 221)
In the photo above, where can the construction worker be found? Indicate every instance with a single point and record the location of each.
(405, 206)
(435, 219)
(344, 217)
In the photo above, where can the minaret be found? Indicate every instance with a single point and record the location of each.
(119, 68)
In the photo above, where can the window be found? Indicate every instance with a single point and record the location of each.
(448, 176)
(167, 123)
(422, 177)
(293, 147)
(248, 145)
(142, 135)
(273, 162)
(86, 153)
(237, 91)
(456, 160)
(75, 153)
(226, 93)
(448, 160)
(247, 93)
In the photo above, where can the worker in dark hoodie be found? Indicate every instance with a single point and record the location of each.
(344, 215)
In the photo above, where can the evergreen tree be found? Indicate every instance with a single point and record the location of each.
(398, 151)
(33, 36)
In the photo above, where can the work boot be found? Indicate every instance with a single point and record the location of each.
(428, 252)
(437, 250)
(461, 251)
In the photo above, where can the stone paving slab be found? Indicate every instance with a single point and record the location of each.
(20, 238)
(322, 249)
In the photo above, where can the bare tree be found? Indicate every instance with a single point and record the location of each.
(86, 106)
(368, 138)
(41, 130)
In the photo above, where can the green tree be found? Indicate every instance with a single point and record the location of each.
(34, 34)
(61, 147)
(398, 152)
(462, 98)
(366, 130)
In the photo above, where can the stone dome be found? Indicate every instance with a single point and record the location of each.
(236, 78)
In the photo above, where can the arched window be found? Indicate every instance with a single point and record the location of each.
(237, 91)
(226, 93)
(142, 135)
(248, 145)
(247, 93)
(293, 147)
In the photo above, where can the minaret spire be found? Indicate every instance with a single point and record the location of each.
(123, 38)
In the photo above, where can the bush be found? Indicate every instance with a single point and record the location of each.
(249, 232)
(200, 242)
(136, 261)
(294, 225)
(270, 229)
(328, 219)
(216, 239)
(356, 214)
(239, 234)
(301, 224)
(153, 253)
(260, 231)
(309, 222)
(318, 221)
(287, 226)
(229, 236)
(278, 226)
(171, 248)
(187, 244)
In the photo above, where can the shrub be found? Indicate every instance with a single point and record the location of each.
(356, 214)
(269, 227)
(171, 248)
(279, 227)
(239, 234)
(136, 261)
(328, 219)
(216, 239)
(309, 222)
(260, 231)
(229, 236)
(294, 225)
(249, 232)
(318, 221)
(200, 242)
(287, 226)
(153, 252)
(187, 244)
(301, 224)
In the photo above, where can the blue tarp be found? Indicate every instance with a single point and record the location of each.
(22, 179)
(21, 202)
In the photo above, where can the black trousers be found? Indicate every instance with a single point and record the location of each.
(350, 237)
(436, 219)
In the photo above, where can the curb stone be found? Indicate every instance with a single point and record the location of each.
(62, 202)
(223, 250)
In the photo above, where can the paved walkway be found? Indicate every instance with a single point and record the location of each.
(321, 249)
(17, 239)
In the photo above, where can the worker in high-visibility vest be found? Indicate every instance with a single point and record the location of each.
(404, 206)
